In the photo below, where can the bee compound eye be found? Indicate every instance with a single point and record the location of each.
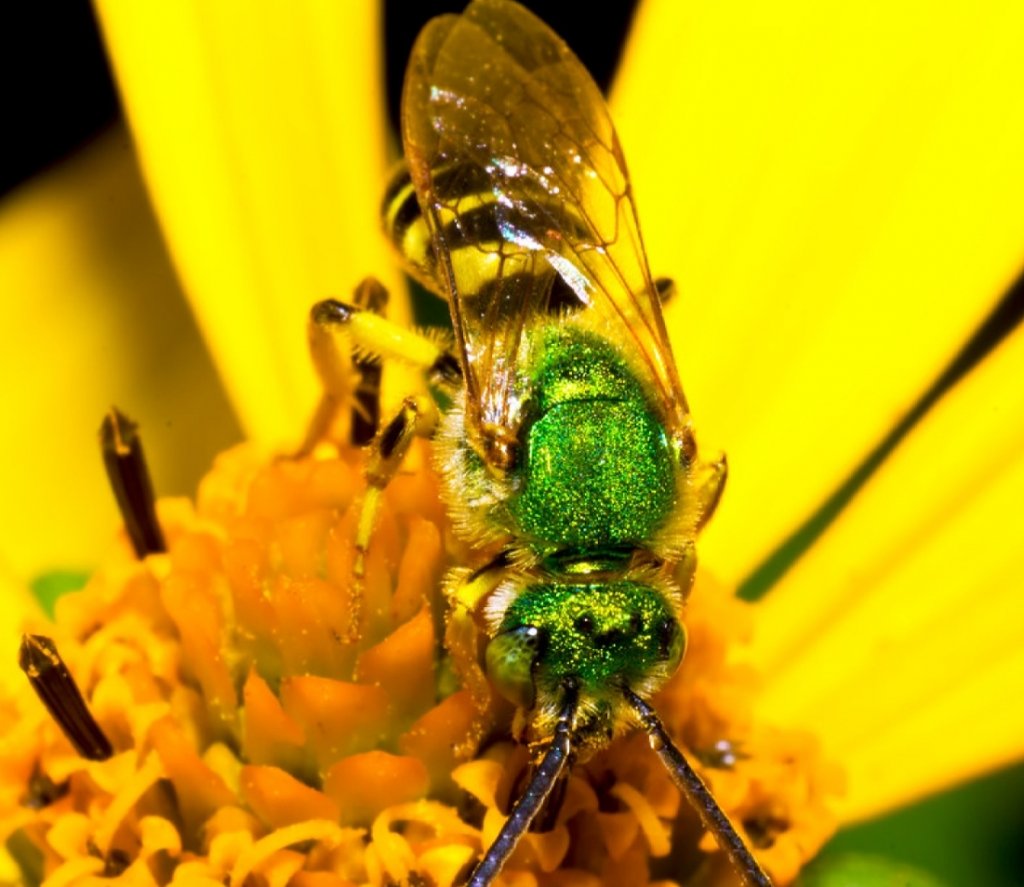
(671, 640)
(510, 658)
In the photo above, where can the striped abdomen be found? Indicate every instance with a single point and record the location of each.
(481, 225)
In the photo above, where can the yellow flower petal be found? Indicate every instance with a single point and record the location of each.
(19, 606)
(363, 785)
(444, 864)
(654, 830)
(73, 870)
(159, 834)
(261, 133)
(93, 315)
(912, 597)
(201, 792)
(279, 799)
(828, 184)
(403, 664)
(978, 718)
(69, 835)
(124, 801)
(269, 734)
(338, 717)
(252, 857)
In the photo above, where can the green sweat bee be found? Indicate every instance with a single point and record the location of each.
(565, 444)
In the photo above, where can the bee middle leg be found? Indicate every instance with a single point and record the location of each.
(417, 417)
(346, 378)
(349, 343)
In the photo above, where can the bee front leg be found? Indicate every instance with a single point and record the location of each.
(467, 592)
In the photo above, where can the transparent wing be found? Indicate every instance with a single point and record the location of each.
(523, 184)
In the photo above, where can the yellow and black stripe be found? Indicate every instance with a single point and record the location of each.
(477, 228)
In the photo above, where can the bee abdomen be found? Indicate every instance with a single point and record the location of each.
(407, 229)
(471, 223)
(475, 227)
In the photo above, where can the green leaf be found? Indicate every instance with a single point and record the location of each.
(855, 870)
(50, 586)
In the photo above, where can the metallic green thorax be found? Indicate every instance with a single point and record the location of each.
(595, 482)
(602, 634)
(598, 468)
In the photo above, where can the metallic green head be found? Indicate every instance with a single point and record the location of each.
(600, 636)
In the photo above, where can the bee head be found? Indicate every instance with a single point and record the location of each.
(598, 636)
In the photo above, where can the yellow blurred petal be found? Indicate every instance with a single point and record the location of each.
(73, 871)
(312, 830)
(125, 799)
(654, 829)
(911, 595)
(261, 130)
(10, 871)
(18, 606)
(158, 834)
(837, 189)
(93, 316)
(69, 835)
(900, 765)
(444, 864)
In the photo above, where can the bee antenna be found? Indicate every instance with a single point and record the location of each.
(692, 786)
(551, 767)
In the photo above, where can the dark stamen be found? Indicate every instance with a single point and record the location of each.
(130, 481)
(331, 311)
(58, 691)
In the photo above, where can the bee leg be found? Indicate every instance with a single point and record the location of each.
(467, 592)
(461, 637)
(345, 377)
(709, 481)
(686, 568)
(666, 289)
(348, 344)
(417, 417)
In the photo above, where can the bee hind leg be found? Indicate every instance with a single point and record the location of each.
(709, 483)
